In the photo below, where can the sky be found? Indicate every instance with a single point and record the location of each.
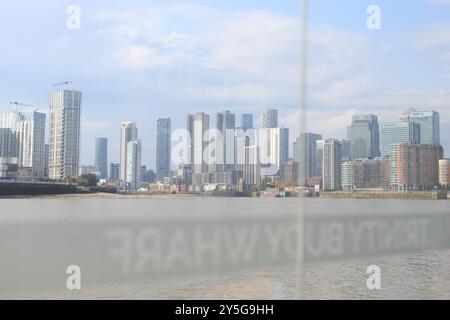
(142, 60)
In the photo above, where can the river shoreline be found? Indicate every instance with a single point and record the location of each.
(177, 196)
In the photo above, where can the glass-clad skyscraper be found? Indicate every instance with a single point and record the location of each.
(163, 148)
(364, 136)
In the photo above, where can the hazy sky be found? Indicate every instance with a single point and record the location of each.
(140, 60)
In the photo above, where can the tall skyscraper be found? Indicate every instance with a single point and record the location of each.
(429, 125)
(133, 162)
(270, 119)
(226, 124)
(64, 137)
(101, 156)
(197, 126)
(305, 155)
(397, 133)
(364, 136)
(128, 132)
(163, 148)
(332, 165)
(246, 121)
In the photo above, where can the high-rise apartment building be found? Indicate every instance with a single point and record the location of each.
(305, 155)
(8, 154)
(364, 136)
(226, 125)
(414, 166)
(332, 165)
(29, 128)
(128, 132)
(64, 136)
(163, 148)
(133, 163)
(197, 126)
(101, 156)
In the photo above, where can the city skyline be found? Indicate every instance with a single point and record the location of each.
(168, 59)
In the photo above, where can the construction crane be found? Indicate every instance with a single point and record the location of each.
(16, 104)
(64, 83)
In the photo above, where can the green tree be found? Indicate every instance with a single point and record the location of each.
(264, 183)
(87, 180)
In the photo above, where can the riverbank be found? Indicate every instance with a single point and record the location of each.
(106, 196)
(414, 195)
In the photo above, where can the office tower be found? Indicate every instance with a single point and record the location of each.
(270, 119)
(429, 125)
(64, 137)
(29, 127)
(133, 163)
(274, 150)
(246, 121)
(346, 150)
(305, 155)
(8, 154)
(319, 157)
(397, 133)
(444, 172)
(226, 125)
(365, 174)
(197, 126)
(114, 171)
(332, 165)
(128, 132)
(364, 136)
(101, 156)
(163, 148)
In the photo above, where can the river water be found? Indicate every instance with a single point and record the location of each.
(222, 248)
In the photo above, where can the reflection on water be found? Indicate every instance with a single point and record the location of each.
(403, 276)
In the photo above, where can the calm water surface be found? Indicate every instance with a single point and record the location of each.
(49, 233)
